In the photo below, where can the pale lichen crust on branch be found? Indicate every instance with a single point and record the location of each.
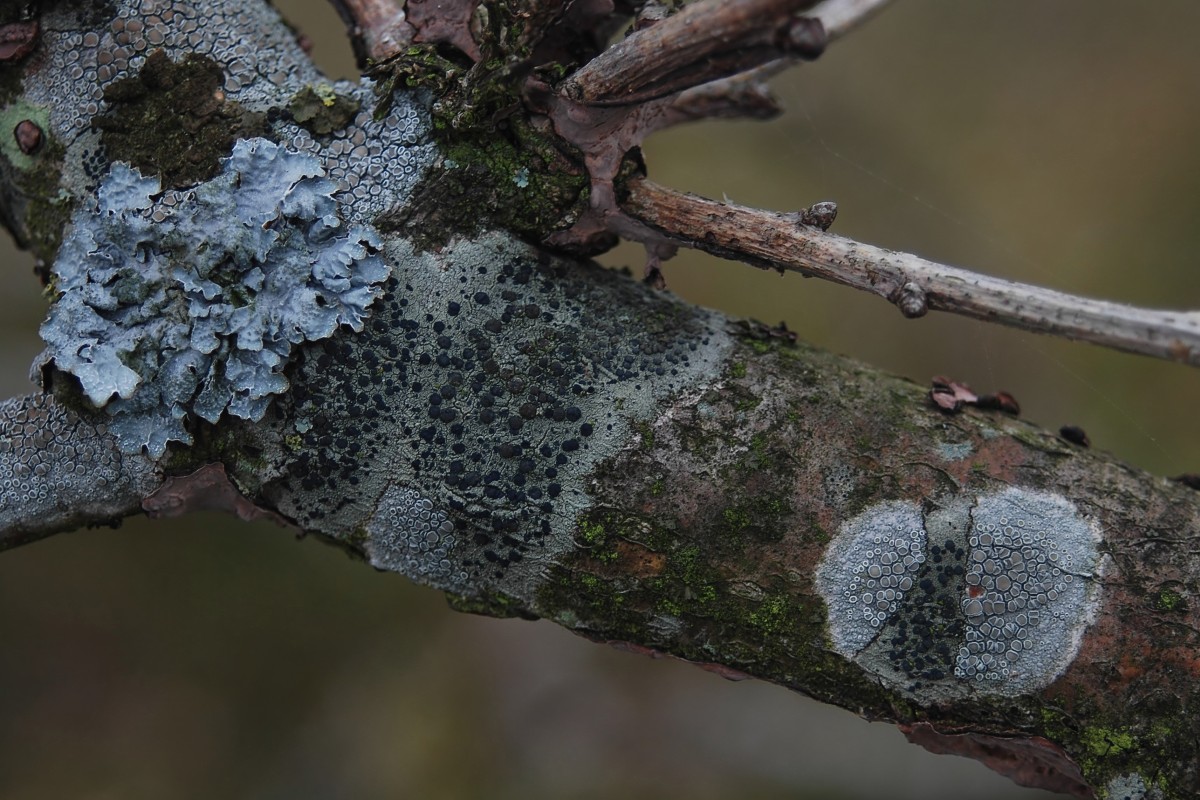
(436, 393)
(990, 595)
(452, 438)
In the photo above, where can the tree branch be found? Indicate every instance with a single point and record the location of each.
(842, 16)
(540, 437)
(781, 241)
(703, 42)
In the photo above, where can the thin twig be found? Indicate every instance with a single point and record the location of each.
(915, 285)
(705, 41)
(842, 16)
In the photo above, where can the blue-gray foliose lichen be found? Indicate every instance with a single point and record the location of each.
(1007, 584)
(458, 430)
(198, 312)
(153, 271)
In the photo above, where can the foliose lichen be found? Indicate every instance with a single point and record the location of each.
(198, 312)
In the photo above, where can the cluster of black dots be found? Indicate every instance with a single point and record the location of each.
(52, 463)
(375, 163)
(411, 536)
(1016, 576)
(923, 638)
(488, 388)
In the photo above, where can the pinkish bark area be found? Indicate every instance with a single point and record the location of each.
(704, 541)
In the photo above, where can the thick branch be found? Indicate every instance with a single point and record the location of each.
(703, 42)
(775, 240)
(538, 436)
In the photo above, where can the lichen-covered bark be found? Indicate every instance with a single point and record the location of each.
(61, 469)
(543, 437)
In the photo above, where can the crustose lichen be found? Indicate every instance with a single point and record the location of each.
(197, 314)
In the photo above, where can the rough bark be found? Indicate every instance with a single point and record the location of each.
(538, 436)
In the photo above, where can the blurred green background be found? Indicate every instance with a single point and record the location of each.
(1049, 142)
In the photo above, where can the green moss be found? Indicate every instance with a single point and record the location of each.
(758, 451)
(657, 488)
(488, 605)
(647, 433)
(499, 168)
(173, 120)
(772, 615)
(591, 534)
(736, 518)
(738, 369)
(1104, 742)
(320, 110)
(1169, 600)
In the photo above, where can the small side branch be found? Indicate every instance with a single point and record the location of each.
(841, 16)
(782, 241)
(705, 41)
(61, 471)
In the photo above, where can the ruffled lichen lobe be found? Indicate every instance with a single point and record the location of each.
(195, 314)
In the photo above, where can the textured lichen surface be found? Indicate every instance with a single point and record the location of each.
(86, 51)
(58, 468)
(1019, 567)
(196, 314)
(487, 383)
(179, 293)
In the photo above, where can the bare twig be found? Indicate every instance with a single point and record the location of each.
(705, 41)
(377, 28)
(773, 240)
(842, 16)
(746, 95)
(743, 96)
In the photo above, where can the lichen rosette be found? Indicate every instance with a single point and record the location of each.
(197, 314)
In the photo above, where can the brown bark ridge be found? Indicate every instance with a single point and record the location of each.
(538, 436)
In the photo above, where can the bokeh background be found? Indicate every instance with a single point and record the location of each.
(1049, 142)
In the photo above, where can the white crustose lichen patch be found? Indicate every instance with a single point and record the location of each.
(1029, 589)
(868, 569)
(1001, 597)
